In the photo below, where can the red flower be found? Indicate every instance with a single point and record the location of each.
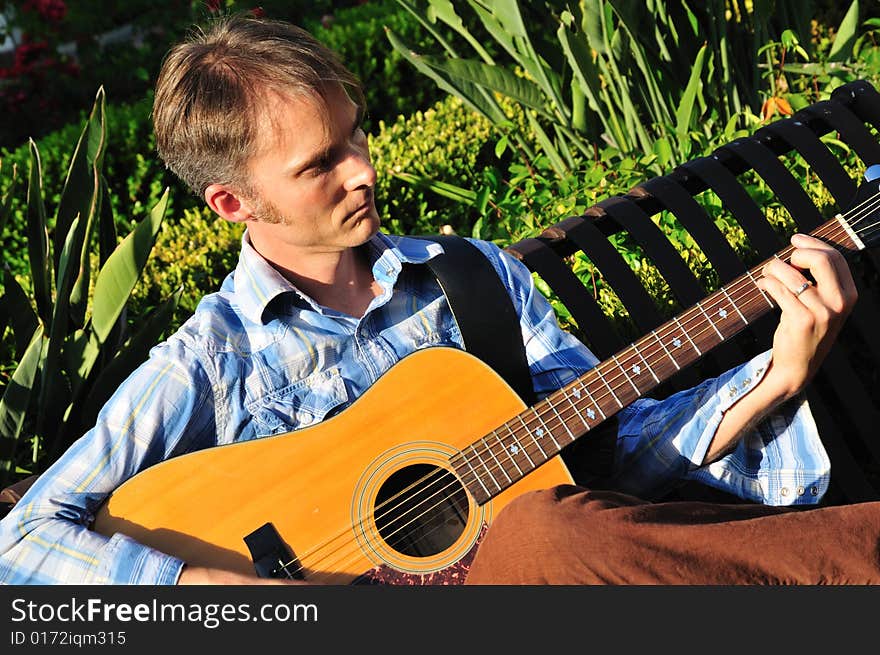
(53, 11)
(28, 53)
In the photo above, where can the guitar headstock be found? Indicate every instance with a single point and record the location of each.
(863, 215)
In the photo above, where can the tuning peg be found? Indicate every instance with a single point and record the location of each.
(872, 173)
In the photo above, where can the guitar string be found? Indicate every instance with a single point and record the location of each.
(446, 473)
(443, 473)
(618, 379)
(622, 380)
(818, 233)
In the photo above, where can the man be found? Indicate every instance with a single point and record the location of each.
(263, 122)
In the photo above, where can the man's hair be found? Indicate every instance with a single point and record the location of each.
(213, 89)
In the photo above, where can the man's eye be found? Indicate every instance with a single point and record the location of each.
(323, 166)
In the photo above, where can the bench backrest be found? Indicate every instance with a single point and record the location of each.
(845, 396)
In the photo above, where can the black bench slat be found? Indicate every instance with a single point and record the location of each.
(846, 472)
(672, 267)
(851, 129)
(790, 193)
(595, 245)
(842, 396)
(738, 202)
(699, 224)
(817, 155)
(600, 337)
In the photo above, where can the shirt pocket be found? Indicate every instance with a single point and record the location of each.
(300, 405)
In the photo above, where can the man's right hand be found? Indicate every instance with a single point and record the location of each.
(200, 575)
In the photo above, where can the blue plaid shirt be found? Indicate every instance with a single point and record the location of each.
(260, 358)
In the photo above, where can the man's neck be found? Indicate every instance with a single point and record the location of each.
(341, 280)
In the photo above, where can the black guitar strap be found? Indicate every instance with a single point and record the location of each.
(483, 310)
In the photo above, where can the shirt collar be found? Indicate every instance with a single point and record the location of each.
(257, 283)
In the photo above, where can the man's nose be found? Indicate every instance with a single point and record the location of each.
(359, 171)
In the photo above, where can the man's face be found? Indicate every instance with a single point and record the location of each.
(312, 179)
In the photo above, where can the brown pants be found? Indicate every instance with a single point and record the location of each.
(571, 535)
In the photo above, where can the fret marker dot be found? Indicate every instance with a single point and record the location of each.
(722, 313)
(539, 432)
(636, 369)
(676, 343)
(591, 413)
(514, 449)
(576, 393)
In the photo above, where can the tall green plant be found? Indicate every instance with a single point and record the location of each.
(635, 76)
(74, 344)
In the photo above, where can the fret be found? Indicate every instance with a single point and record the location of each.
(638, 367)
(574, 407)
(476, 476)
(648, 366)
(856, 241)
(711, 322)
(666, 350)
(540, 432)
(483, 462)
(763, 293)
(535, 441)
(590, 413)
(625, 374)
(510, 454)
(677, 341)
(561, 420)
(734, 305)
(500, 465)
(522, 449)
(607, 386)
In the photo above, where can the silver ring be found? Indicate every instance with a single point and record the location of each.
(806, 285)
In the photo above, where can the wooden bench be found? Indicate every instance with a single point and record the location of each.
(845, 395)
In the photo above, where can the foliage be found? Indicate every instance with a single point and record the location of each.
(136, 179)
(446, 141)
(391, 86)
(64, 49)
(194, 254)
(630, 75)
(73, 342)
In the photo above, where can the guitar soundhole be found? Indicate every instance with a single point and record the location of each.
(421, 510)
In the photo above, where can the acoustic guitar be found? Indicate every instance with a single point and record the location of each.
(400, 486)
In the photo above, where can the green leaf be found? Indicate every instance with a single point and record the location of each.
(16, 397)
(123, 268)
(686, 107)
(79, 196)
(129, 358)
(841, 49)
(479, 100)
(38, 237)
(494, 78)
(444, 189)
(4, 200)
(547, 146)
(18, 312)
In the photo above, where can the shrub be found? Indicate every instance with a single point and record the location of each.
(193, 253)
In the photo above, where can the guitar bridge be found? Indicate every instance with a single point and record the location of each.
(271, 557)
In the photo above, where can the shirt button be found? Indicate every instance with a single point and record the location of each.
(747, 382)
(814, 491)
(733, 391)
(800, 491)
(784, 491)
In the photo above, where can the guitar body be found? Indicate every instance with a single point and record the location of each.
(343, 495)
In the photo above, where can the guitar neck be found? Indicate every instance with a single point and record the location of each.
(498, 460)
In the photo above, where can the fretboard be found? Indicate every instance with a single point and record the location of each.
(496, 461)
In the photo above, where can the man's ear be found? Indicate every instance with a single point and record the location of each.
(228, 203)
